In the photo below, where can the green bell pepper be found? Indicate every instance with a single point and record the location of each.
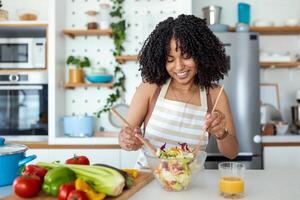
(55, 178)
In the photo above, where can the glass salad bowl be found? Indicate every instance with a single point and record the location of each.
(176, 173)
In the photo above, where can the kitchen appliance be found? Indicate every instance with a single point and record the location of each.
(242, 88)
(12, 159)
(18, 53)
(295, 126)
(78, 126)
(24, 104)
(212, 14)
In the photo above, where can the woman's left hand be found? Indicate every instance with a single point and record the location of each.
(215, 124)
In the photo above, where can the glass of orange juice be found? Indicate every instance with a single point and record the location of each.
(231, 182)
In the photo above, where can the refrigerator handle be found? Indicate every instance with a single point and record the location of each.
(257, 139)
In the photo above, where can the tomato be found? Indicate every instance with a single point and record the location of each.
(64, 191)
(78, 160)
(77, 195)
(27, 185)
(37, 170)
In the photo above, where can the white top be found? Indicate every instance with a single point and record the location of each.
(259, 185)
(174, 122)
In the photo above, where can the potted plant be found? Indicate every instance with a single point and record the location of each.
(76, 64)
(3, 13)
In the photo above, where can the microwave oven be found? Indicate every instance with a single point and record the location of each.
(22, 53)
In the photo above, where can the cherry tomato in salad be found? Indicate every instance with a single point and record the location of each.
(77, 195)
(78, 160)
(27, 186)
(65, 190)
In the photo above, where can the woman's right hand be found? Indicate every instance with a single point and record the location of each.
(127, 139)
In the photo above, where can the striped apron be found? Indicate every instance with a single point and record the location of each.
(175, 122)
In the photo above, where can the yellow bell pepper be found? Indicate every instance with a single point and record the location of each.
(80, 184)
(132, 172)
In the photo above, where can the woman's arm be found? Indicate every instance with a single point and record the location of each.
(224, 127)
(135, 116)
(139, 104)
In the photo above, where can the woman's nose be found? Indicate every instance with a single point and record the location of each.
(179, 65)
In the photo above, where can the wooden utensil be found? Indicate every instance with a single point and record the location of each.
(198, 146)
(141, 138)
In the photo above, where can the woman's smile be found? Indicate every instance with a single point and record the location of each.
(183, 74)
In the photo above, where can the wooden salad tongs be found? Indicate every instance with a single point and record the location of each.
(150, 146)
(198, 147)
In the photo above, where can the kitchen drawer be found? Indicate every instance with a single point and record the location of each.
(106, 156)
(42, 155)
(128, 158)
(281, 158)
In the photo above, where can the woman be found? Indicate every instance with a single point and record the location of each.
(180, 63)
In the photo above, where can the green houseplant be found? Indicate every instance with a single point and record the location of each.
(76, 64)
(119, 35)
(3, 13)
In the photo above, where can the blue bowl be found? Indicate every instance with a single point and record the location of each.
(103, 78)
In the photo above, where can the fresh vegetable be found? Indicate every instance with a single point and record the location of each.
(27, 186)
(64, 191)
(55, 178)
(78, 160)
(128, 179)
(77, 195)
(102, 179)
(132, 172)
(91, 193)
(34, 169)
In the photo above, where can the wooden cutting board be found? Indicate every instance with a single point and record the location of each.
(143, 179)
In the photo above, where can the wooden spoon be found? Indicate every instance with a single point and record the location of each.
(198, 146)
(141, 138)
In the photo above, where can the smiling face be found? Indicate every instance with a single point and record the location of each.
(182, 68)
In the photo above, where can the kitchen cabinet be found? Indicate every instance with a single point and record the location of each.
(281, 157)
(42, 155)
(107, 156)
(128, 158)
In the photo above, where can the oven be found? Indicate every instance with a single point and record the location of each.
(24, 104)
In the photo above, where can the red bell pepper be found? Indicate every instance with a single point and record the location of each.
(37, 170)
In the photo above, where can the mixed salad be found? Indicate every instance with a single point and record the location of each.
(175, 167)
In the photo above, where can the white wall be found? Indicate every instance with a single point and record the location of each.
(13, 6)
(276, 11)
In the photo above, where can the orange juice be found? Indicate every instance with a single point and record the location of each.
(231, 185)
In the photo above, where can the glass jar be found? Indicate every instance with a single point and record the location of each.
(104, 16)
(92, 19)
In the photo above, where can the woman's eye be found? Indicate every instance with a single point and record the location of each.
(170, 60)
(186, 56)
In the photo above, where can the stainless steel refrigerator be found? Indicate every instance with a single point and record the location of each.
(242, 88)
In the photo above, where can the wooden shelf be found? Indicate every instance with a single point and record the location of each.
(125, 58)
(273, 30)
(23, 23)
(4, 71)
(75, 85)
(279, 64)
(84, 32)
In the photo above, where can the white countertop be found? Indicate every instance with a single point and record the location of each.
(259, 185)
(280, 138)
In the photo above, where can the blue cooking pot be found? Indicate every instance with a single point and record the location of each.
(12, 159)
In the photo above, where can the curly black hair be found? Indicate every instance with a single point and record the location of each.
(195, 39)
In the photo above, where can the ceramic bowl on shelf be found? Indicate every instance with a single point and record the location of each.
(175, 174)
(99, 78)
